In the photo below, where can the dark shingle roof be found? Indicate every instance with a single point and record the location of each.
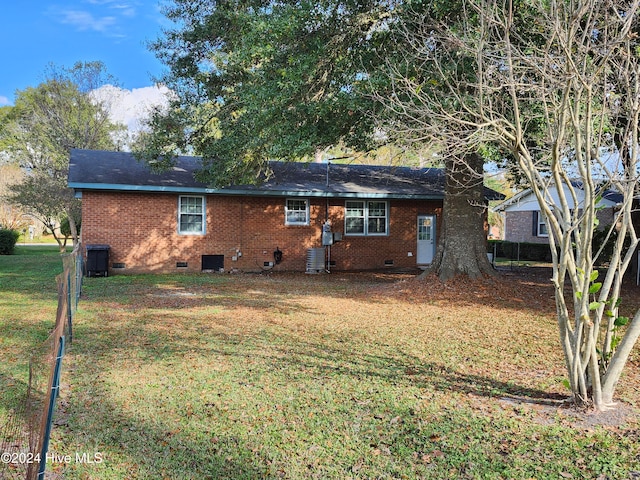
(103, 170)
(343, 180)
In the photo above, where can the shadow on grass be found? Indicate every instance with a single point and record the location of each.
(299, 357)
(146, 319)
(274, 290)
(153, 337)
(131, 446)
(403, 368)
(161, 448)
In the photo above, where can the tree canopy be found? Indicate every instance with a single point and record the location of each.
(260, 80)
(38, 133)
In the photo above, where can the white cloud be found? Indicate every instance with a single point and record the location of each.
(4, 100)
(127, 9)
(104, 16)
(83, 20)
(131, 107)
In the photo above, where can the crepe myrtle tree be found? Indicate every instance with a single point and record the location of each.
(554, 88)
(48, 200)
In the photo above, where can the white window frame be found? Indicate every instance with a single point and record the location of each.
(366, 204)
(287, 211)
(542, 225)
(202, 214)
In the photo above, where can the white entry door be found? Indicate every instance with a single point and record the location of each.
(426, 239)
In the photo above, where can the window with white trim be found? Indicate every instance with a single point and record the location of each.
(539, 225)
(542, 227)
(296, 211)
(191, 215)
(366, 217)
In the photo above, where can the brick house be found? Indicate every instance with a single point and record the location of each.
(523, 222)
(304, 217)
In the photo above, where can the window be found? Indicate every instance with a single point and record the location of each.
(366, 218)
(542, 227)
(354, 218)
(539, 225)
(191, 215)
(377, 218)
(296, 212)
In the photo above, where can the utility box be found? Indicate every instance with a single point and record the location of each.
(97, 260)
(327, 239)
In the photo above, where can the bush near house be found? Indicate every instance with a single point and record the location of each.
(8, 240)
(65, 228)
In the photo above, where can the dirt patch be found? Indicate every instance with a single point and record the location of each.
(530, 288)
(565, 412)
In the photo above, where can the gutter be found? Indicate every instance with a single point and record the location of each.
(79, 187)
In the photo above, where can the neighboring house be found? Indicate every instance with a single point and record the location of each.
(524, 223)
(375, 216)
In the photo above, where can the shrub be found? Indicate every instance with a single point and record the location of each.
(65, 228)
(8, 240)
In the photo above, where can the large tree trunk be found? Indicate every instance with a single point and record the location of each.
(462, 244)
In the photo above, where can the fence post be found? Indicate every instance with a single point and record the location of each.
(55, 387)
(70, 308)
(79, 274)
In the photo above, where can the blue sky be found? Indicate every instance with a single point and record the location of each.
(35, 34)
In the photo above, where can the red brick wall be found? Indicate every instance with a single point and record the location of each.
(518, 227)
(141, 230)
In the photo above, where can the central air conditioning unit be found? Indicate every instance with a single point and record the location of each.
(315, 260)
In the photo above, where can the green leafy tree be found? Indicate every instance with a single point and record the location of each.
(46, 122)
(262, 80)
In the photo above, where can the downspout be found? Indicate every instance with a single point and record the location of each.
(326, 208)
(326, 217)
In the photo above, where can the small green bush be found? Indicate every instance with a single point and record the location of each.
(65, 228)
(8, 240)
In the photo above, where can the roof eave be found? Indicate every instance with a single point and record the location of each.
(79, 187)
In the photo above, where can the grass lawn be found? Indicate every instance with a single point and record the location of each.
(28, 302)
(334, 376)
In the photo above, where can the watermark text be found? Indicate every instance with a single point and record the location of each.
(23, 458)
